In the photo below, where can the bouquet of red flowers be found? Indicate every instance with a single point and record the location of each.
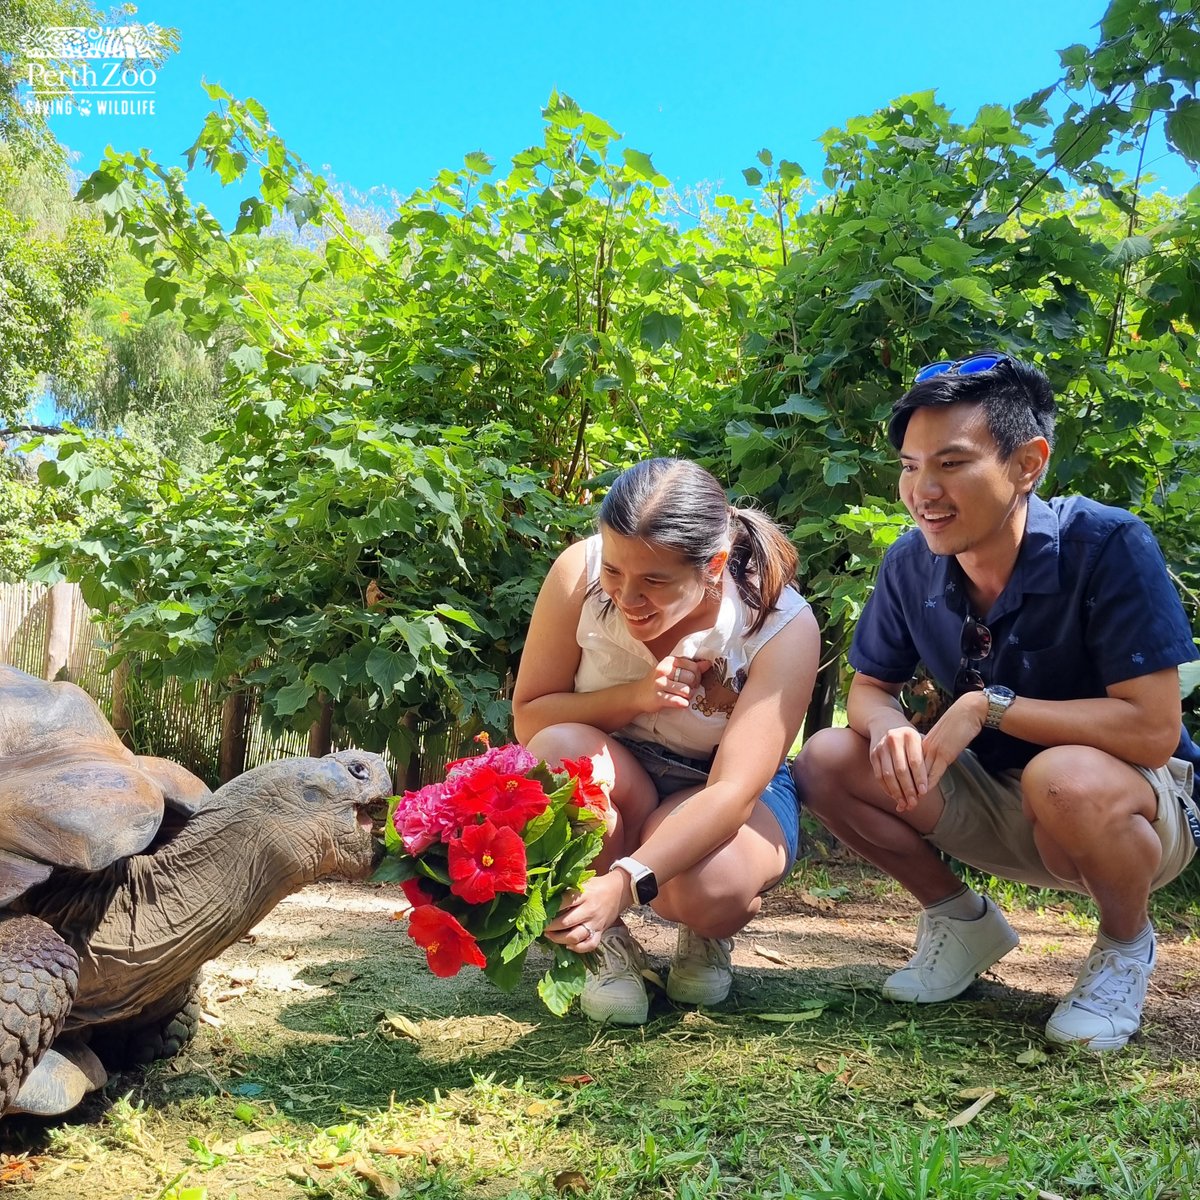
(486, 856)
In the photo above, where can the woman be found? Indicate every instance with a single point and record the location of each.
(674, 649)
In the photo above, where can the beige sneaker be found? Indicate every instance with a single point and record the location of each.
(614, 990)
(700, 971)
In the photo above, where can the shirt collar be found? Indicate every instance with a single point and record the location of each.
(1035, 571)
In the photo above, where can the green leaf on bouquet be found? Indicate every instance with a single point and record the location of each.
(435, 870)
(506, 974)
(500, 920)
(563, 982)
(550, 845)
(539, 825)
(391, 839)
(531, 920)
(394, 870)
(578, 853)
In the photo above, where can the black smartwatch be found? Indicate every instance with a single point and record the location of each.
(642, 884)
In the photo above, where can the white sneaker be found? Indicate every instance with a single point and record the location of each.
(950, 954)
(614, 989)
(700, 971)
(1104, 1008)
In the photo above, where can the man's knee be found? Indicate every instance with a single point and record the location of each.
(1069, 786)
(826, 764)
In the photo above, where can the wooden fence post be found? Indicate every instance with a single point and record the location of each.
(59, 627)
(407, 776)
(231, 760)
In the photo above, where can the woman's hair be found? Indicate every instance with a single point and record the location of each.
(675, 503)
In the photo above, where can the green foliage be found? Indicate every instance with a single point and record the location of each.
(379, 567)
(52, 258)
(938, 237)
(454, 383)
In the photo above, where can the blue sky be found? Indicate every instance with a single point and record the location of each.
(386, 94)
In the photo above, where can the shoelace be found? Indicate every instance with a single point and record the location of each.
(1108, 983)
(712, 951)
(618, 958)
(931, 938)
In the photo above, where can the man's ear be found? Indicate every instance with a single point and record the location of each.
(1030, 461)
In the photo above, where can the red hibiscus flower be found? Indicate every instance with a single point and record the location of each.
(486, 860)
(446, 943)
(505, 800)
(588, 793)
(415, 894)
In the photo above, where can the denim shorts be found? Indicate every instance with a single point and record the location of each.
(672, 772)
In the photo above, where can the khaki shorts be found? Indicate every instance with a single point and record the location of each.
(983, 825)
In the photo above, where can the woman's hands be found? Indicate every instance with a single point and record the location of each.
(671, 683)
(586, 914)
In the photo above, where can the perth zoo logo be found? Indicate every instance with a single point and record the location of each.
(105, 71)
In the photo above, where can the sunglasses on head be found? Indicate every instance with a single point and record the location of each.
(975, 644)
(961, 366)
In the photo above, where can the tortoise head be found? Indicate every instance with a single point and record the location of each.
(319, 807)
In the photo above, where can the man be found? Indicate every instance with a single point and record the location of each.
(1060, 761)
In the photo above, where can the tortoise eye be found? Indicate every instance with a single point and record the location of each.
(360, 770)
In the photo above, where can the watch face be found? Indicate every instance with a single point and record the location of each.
(647, 888)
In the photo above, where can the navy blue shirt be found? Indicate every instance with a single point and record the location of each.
(1089, 604)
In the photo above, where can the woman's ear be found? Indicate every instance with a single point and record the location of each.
(716, 564)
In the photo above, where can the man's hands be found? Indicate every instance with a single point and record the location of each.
(671, 683)
(909, 766)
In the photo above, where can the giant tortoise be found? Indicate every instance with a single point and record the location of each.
(120, 876)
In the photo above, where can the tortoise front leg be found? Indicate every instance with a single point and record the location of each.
(39, 973)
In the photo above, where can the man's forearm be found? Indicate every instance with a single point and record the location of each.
(1118, 727)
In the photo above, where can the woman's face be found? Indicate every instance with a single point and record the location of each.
(653, 587)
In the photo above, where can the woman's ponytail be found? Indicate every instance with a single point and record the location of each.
(762, 561)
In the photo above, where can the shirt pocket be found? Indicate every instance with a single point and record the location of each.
(1060, 672)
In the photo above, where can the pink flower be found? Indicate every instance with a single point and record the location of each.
(424, 817)
(504, 760)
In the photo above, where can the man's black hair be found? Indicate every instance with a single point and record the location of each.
(1017, 400)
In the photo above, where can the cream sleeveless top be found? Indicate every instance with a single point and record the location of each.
(610, 655)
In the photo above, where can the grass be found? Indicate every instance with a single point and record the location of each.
(492, 1098)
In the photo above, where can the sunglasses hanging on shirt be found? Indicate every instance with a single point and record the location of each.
(975, 644)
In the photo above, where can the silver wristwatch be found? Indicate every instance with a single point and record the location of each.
(999, 699)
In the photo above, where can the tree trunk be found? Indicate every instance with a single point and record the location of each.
(320, 734)
(231, 761)
(825, 693)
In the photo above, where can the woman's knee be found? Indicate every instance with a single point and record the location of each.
(568, 740)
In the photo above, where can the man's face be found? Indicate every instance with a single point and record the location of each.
(962, 495)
